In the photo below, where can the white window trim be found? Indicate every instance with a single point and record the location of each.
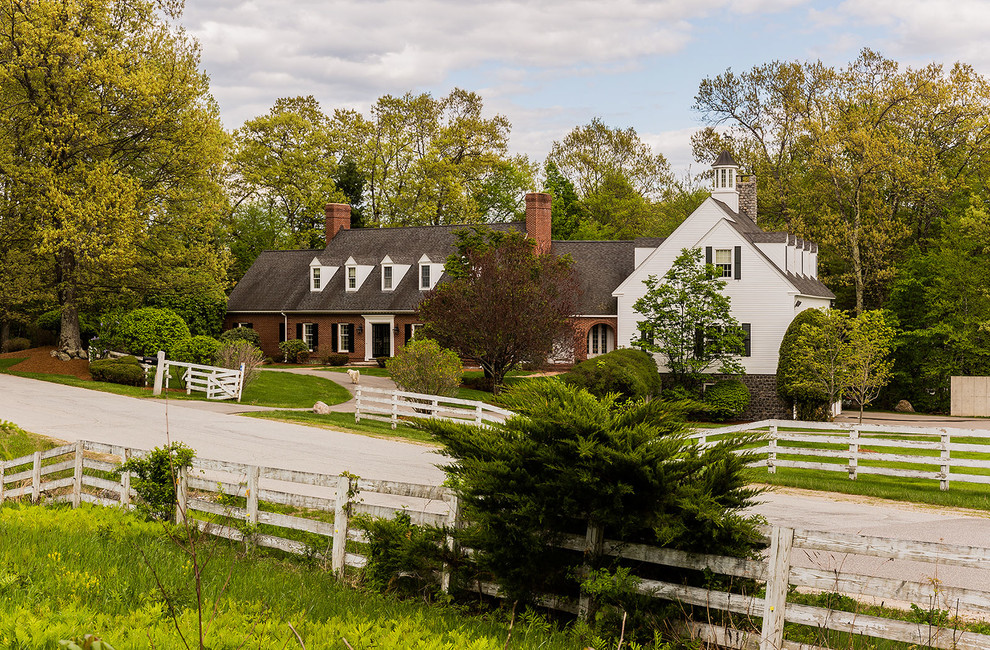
(314, 278)
(307, 335)
(326, 274)
(609, 339)
(726, 272)
(341, 348)
(347, 279)
(429, 284)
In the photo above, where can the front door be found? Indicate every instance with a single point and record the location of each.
(381, 343)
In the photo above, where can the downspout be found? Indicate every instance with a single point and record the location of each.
(285, 328)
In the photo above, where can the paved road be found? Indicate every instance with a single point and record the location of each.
(72, 413)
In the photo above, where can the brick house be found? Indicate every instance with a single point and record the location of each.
(359, 295)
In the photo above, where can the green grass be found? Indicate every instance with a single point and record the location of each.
(271, 388)
(343, 422)
(15, 442)
(289, 390)
(5, 364)
(65, 573)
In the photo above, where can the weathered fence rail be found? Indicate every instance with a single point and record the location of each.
(938, 454)
(231, 500)
(393, 405)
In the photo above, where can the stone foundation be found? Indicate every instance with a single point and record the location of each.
(764, 402)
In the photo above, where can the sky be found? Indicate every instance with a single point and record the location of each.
(552, 65)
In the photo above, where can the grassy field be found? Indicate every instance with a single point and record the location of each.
(16, 442)
(65, 573)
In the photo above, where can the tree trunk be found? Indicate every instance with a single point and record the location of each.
(856, 256)
(69, 340)
(4, 335)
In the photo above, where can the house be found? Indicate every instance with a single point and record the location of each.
(359, 295)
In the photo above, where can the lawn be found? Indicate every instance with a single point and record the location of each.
(271, 388)
(343, 422)
(16, 442)
(65, 573)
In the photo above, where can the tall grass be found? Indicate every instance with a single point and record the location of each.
(95, 570)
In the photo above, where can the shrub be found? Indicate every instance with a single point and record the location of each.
(154, 478)
(196, 297)
(231, 354)
(333, 358)
(198, 349)
(811, 403)
(294, 351)
(381, 361)
(630, 373)
(147, 330)
(17, 344)
(121, 370)
(399, 549)
(726, 399)
(242, 334)
(424, 367)
(51, 321)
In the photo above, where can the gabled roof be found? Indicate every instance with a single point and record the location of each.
(601, 267)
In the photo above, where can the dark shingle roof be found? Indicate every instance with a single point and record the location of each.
(724, 158)
(601, 267)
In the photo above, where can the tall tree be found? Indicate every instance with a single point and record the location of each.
(687, 320)
(590, 154)
(504, 303)
(871, 338)
(286, 160)
(108, 130)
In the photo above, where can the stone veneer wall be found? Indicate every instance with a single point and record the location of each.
(764, 402)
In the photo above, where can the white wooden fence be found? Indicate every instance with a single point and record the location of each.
(930, 453)
(393, 405)
(216, 382)
(201, 490)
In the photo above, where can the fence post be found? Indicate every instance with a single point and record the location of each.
(853, 453)
(778, 571)
(395, 409)
(943, 483)
(477, 415)
(77, 473)
(592, 547)
(159, 373)
(125, 481)
(436, 407)
(2, 487)
(453, 516)
(240, 384)
(181, 494)
(357, 405)
(36, 478)
(254, 473)
(341, 511)
(772, 451)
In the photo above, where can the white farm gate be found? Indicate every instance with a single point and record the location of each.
(217, 383)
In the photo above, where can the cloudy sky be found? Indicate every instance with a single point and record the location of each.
(550, 65)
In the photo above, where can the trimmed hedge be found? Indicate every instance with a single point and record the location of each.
(122, 370)
(631, 373)
(726, 399)
(811, 404)
(335, 359)
(198, 349)
(17, 344)
(294, 351)
(242, 334)
(147, 330)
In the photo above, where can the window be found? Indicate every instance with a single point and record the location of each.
(723, 261)
(351, 278)
(386, 278)
(315, 271)
(747, 339)
(346, 343)
(424, 276)
(309, 335)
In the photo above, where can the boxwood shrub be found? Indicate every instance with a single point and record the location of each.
(631, 373)
(198, 349)
(726, 399)
(294, 351)
(242, 334)
(121, 370)
(17, 344)
(147, 330)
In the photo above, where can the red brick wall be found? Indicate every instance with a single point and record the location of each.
(267, 326)
(581, 328)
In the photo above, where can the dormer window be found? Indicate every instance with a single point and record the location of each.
(315, 277)
(424, 276)
(352, 278)
(387, 278)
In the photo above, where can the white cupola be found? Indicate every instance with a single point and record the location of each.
(724, 188)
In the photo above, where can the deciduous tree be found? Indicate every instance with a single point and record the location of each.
(871, 338)
(503, 304)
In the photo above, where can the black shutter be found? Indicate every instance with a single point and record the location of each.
(316, 337)
(251, 325)
(699, 342)
(333, 337)
(738, 264)
(281, 332)
(747, 339)
(408, 332)
(299, 331)
(350, 337)
(708, 254)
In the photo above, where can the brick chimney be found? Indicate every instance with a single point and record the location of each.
(538, 206)
(338, 218)
(747, 196)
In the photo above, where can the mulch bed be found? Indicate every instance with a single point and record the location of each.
(41, 360)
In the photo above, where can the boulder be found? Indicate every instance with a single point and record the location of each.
(904, 406)
(320, 408)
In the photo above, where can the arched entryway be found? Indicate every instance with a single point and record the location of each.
(601, 339)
